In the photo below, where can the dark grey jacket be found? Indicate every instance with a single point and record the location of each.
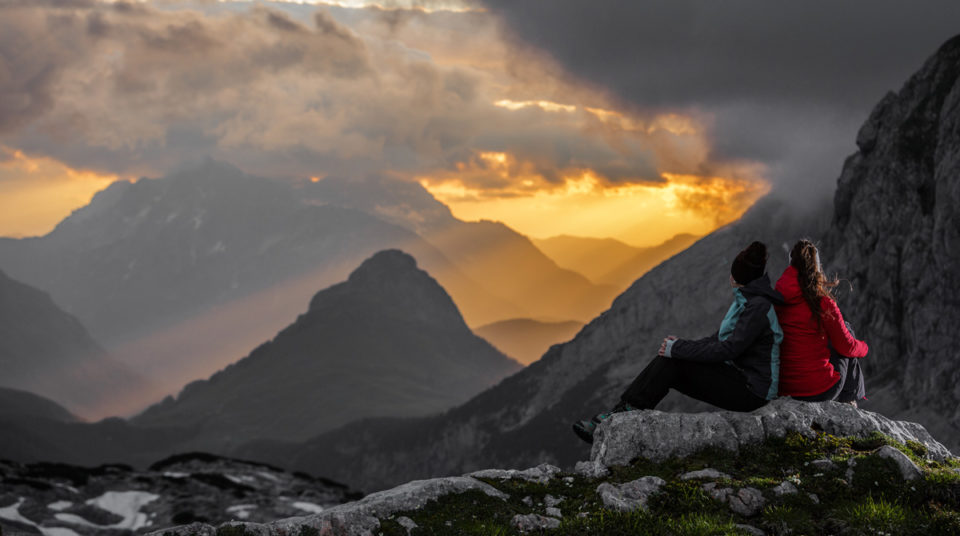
(749, 338)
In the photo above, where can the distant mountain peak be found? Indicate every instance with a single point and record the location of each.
(391, 283)
(386, 263)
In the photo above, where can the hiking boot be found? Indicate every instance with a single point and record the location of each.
(585, 429)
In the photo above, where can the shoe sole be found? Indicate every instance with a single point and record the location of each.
(583, 433)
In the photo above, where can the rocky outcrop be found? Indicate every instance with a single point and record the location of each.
(658, 436)
(895, 236)
(360, 517)
(116, 499)
(629, 496)
(842, 458)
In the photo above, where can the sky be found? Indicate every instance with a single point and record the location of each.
(631, 120)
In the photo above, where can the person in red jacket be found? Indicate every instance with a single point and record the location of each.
(819, 353)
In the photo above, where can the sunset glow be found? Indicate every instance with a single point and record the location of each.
(638, 214)
(494, 131)
(37, 192)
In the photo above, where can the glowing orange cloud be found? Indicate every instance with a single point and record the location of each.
(37, 192)
(583, 204)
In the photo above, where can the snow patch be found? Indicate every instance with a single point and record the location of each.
(268, 476)
(126, 504)
(77, 520)
(57, 531)
(71, 489)
(308, 507)
(241, 479)
(59, 505)
(242, 511)
(12, 513)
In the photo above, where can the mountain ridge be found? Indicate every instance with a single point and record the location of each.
(49, 352)
(387, 341)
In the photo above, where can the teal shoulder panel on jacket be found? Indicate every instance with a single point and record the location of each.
(733, 314)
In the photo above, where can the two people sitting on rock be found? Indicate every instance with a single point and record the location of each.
(788, 341)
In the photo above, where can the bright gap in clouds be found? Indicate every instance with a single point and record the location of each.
(37, 192)
(638, 214)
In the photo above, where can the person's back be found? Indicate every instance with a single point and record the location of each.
(808, 368)
(734, 369)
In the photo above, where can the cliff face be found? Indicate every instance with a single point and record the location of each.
(895, 235)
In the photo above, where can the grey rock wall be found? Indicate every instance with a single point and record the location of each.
(895, 236)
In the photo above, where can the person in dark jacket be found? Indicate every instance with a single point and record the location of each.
(736, 368)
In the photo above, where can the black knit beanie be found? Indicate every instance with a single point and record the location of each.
(750, 263)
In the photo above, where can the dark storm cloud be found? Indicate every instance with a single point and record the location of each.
(787, 83)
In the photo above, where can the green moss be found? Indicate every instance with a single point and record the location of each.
(682, 497)
(872, 442)
(944, 522)
(786, 519)
(644, 524)
(306, 530)
(918, 449)
(872, 516)
(232, 530)
(877, 499)
(471, 512)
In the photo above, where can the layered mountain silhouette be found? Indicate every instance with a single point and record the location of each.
(525, 420)
(608, 261)
(46, 351)
(525, 339)
(36, 429)
(507, 264)
(892, 232)
(180, 275)
(23, 404)
(388, 341)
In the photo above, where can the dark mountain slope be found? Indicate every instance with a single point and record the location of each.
(388, 341)
(48, 352)
(181, 275)
(14, 402)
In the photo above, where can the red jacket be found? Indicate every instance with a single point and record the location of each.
(805, 367)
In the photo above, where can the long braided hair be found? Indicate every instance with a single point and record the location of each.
(814, 286)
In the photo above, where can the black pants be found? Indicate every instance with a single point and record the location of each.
(719, 384)
(848, 388)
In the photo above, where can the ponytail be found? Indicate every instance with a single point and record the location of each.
(814, 286)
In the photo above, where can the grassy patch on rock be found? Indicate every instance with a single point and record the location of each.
(837, 486)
